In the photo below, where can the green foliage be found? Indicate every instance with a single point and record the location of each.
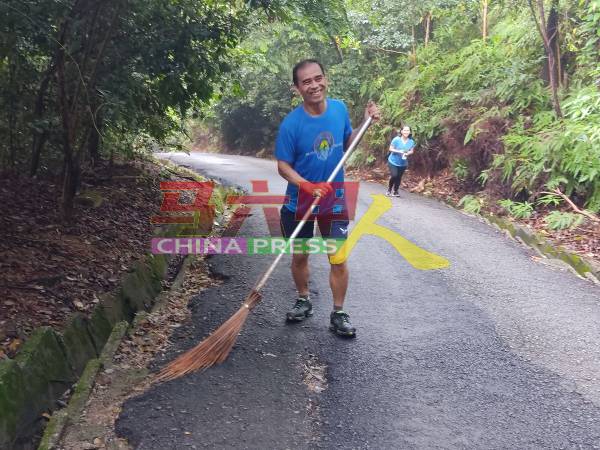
(586, 40)
(361, 159)
(460, 169)
(471, 204)
(498, 78)
(486, 88)
(518, 210)
(567, 149)
(558, 220)
(123, 69)
(83, 79)
(258, 92)
(483, 177)
(549, 200)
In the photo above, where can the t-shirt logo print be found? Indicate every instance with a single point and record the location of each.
(323, 145)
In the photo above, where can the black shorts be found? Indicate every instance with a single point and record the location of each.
(336, 229)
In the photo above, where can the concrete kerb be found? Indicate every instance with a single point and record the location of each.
(161, 299)
(579, 265)
(45, 371)
(62, 419)
(56, 428)
(83, 339)
(50, 362)
(59, 421)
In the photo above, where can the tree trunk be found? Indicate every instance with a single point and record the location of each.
(551, 58)
(559, 69)
(484, 21)
(553, 38)
(336, 47)
(86, 56)
(78, 108)
(12, 95)
(12, 121)
(40, 137)
(94, 141)
(68, 194)
(552, 32)
(427, 27)
(547, 41)
(414, 47)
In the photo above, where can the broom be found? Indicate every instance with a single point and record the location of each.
(216, 347)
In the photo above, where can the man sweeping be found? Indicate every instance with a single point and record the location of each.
(310, 143)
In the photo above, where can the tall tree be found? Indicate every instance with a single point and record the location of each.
(539, 16)
(484, 19)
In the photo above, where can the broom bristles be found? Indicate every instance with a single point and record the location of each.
(212, 350)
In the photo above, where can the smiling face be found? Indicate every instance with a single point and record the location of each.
(405, 132)
(312, 84)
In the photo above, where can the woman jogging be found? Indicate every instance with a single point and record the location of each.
(400, 147)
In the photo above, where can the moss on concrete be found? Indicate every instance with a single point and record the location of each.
(99, 327)
(84, 386)
(113, 342)
(11, 400)
(59, 421)
(53, 431)
(578, 264)
(116, 309)
(51, 362)
(140, 287)
(159, 265)
(78, 343)
(47, 373)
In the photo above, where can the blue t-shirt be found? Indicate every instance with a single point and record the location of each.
(313, 145)
(396, 158)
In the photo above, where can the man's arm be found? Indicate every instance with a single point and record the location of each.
(288, 172)
(291, 176)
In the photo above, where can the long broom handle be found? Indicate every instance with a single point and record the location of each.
(309, 211)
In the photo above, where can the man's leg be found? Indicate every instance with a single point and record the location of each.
(300, 273)
(338, 280)
(303, 307)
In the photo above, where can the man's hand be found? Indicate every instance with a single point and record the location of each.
(372, 110)
(316, 189)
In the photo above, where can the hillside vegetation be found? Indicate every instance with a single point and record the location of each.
(503, 96)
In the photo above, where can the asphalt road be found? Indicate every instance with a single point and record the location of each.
(499, 350)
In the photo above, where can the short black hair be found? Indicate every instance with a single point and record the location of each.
(301, 64)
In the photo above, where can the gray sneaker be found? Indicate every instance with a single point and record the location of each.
(340, 324)
(301, 310)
